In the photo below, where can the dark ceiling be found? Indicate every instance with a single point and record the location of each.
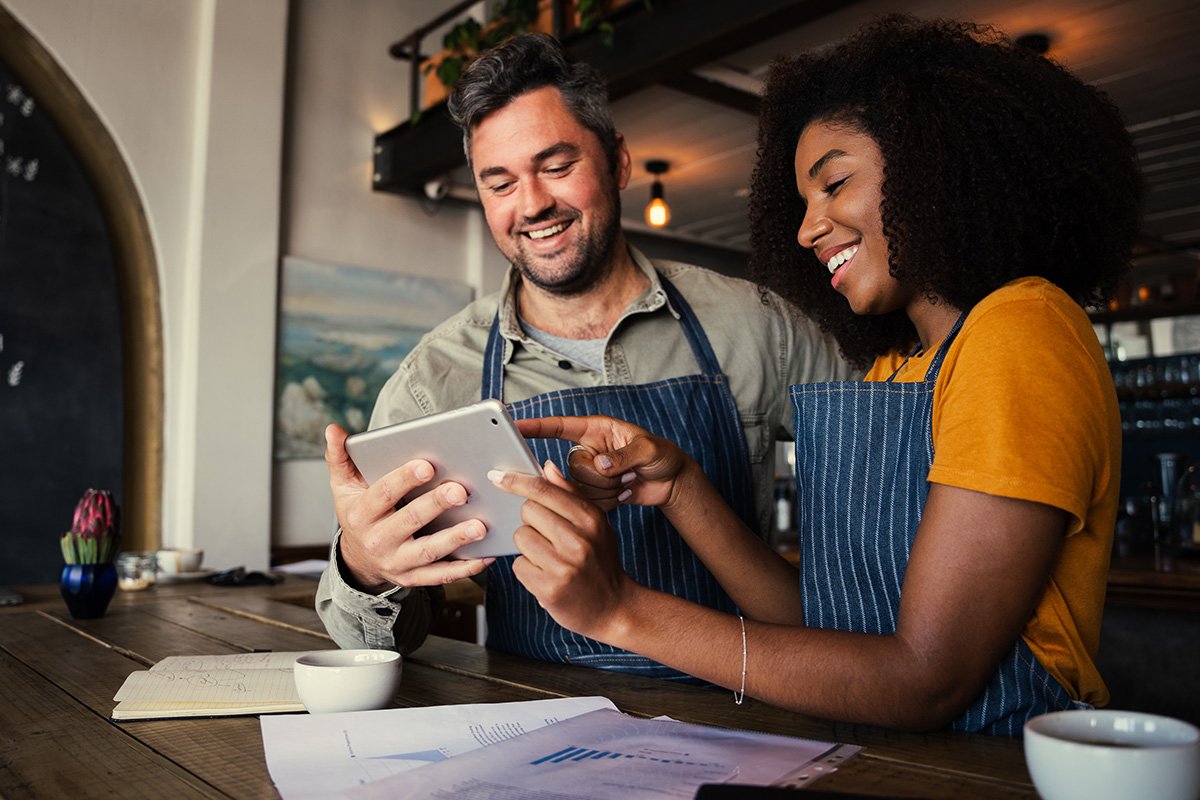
(684, 78)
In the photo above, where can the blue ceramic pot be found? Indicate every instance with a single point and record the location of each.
(88, 588)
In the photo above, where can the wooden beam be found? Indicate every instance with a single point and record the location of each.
(714, 92)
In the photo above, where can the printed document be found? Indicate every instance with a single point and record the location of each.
(322, 755)
(606, 755)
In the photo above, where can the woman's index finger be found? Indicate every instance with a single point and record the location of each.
(568, 428)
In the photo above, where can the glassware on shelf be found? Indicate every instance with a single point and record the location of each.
(136, 571)
(1187, 509)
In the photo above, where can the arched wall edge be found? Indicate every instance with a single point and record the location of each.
(137, 275)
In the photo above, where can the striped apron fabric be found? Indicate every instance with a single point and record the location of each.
(863, 453)
(698, 413)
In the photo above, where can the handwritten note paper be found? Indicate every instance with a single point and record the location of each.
(195, 686)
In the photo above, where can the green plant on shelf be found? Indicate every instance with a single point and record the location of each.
(468, 38)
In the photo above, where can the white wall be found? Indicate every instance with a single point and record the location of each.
(346, 89)
(193, 92)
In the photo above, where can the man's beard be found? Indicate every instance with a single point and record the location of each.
(590, 264)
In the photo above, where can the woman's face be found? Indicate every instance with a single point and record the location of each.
(839, 174)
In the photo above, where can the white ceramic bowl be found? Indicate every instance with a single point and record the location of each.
(178, 561)
(1103, 754)
(347, 680)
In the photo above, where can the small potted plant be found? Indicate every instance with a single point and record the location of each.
(469, 38)
(89, 576)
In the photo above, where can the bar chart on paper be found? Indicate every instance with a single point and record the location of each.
(316, 756)
(607, 755)
(578, 754)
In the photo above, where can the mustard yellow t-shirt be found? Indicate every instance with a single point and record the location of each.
(1024, 407)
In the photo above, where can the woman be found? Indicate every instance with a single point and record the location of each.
(963, 199)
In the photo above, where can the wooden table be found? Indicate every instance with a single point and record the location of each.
(58, 677)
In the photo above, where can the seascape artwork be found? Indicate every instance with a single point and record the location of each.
(343, 331)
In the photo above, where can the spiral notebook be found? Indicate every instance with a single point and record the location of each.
(210, 686)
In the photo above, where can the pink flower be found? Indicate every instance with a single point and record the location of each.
(94, 536)
(95, 515)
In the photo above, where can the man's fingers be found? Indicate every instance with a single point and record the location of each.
(341, 467)
(422, 551)
(422, 560)
(389, 493)
(443, 572)
(425, 507)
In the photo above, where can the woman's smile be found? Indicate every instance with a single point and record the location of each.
(839, 174)
(839, 262)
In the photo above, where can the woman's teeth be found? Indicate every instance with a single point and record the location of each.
(841, 258)
(544, 232)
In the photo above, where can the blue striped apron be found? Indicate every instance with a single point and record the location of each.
(863, 453)
(698, 413)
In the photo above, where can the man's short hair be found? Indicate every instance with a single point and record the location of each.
(520, 65)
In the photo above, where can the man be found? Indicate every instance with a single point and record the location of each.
(583, 324)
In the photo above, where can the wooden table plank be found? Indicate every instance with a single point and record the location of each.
(224, 753)
(88, 660)
(95, 656)
(206, 630)
(53, 746)
(868, 775)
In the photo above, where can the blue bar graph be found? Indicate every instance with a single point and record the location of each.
(575, 753)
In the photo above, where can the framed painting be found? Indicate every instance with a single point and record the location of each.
(343, 330)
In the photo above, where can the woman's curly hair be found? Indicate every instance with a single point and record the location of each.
(998, 164)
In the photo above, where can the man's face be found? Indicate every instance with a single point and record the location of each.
(551, 202)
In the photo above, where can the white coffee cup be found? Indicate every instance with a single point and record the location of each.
(347, 680)
(179, 560)
(1107, 754)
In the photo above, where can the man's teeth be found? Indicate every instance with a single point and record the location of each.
(841, 258)
(544, 232)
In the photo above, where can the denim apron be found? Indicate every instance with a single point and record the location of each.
(863, 453)
(698, 413)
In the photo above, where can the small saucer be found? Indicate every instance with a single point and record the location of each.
(186, 577)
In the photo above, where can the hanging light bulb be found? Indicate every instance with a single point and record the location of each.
(658, 213)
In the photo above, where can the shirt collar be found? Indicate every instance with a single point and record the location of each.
(653, 299)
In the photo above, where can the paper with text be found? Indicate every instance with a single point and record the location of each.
(322, 755)
(210, 685)
(607, 755)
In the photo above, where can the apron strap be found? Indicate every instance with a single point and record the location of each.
(492, 387)
(935, 364)
(706, 359)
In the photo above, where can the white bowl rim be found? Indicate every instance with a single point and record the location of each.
(377, 658)
(1033, 727)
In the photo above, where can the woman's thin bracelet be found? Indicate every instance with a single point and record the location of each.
(738, 697)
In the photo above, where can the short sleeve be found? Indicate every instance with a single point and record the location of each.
(1020, 410)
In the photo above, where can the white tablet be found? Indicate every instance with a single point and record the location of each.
(463, 445)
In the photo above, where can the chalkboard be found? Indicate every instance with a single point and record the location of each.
(60, 341)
